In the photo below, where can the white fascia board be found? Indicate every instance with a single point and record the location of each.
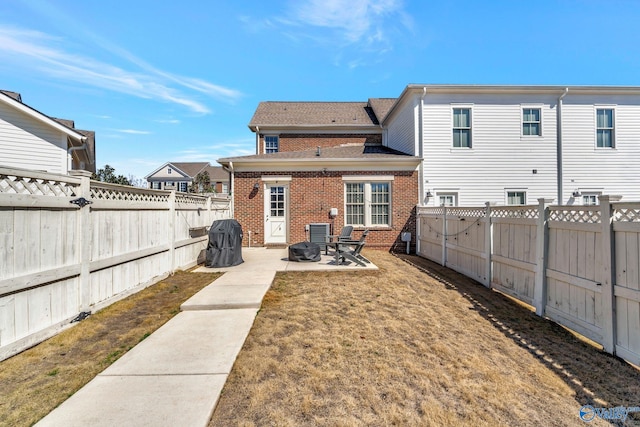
(258, 165)
(360, 129)
(35, 114)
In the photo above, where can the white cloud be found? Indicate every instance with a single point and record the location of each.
(134, 131)
(365, 23)
(169, 121)
(35, 50)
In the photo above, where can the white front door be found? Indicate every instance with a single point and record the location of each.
(275, 213)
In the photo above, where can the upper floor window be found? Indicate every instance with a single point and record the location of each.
(605, 129)
(590, 199)
(271, 144)
(531, 122)
(516, 198)
(462, 127)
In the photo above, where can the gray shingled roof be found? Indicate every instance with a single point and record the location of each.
(342, 152)
(313, 114)
(217, 174)
(191, 168)
(381, 106)
(14, 95)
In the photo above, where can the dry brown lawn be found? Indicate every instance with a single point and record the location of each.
(413, 344)
(35, 381)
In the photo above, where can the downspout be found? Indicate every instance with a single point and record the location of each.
(559, 147)
(72, 149)
(257, 139)
(420, 150)
(231, 188)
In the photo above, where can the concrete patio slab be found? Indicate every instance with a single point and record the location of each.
(193, 342)
(246, 277)
(219, 297)
(154, 401)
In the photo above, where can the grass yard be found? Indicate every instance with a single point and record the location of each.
(37, 380)
(413, 344)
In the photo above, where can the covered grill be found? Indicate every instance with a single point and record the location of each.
(225, 244)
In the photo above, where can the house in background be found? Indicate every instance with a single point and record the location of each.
(511, 145)
(32, 140)
(323, 162)
(180, 176)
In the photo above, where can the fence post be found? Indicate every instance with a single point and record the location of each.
(542, 256)
(172, 230)
(488, 245)
(209, 211)
(444, 236)
(85, 235)
(608, 274)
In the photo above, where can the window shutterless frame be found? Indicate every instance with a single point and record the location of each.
(605, 127)
(271, 144)
(531, 118)
(462, 125)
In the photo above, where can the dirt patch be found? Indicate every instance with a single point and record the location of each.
(37, 380)
(412, 344)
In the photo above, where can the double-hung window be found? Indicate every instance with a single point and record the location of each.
(605, 128)
(515, 198)
(368, 204)
(531, 122)
(271, 144)
(462, 127)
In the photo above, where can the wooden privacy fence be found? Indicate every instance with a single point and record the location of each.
(577, 265)
(70, 245)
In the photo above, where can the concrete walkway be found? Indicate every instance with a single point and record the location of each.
(176, 375)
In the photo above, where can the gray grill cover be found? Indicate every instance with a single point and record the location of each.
(225, 244)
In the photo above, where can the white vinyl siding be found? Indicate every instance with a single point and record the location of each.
(403, 132)
(500, 155)
(584, 164)
(29, 144)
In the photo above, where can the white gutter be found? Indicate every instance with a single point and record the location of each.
(559, 146)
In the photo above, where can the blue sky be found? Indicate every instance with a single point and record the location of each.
(179, 80)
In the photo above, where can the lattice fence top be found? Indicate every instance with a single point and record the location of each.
(467, 212)
(583, 214)
(529, 212)
(430, 211)
(14, 184)
(626, 213)
(129, 195)
(187, 199)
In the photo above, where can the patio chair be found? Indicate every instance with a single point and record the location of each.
(345, 235)
(350, 250)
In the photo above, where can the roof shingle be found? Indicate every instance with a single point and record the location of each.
(272, 113)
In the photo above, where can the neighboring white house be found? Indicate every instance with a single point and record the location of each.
(32, 140)
(515, 144)
(180, 175)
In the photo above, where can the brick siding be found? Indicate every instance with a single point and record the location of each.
(312, 194)
(301, 142)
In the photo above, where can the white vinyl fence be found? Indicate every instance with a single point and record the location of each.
(70, 245)
(577, 265)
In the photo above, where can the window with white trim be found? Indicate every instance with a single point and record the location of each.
(447, 199)
(531, 122)
(605, 128)
(462, 127)
(590, 198)
(271, 144)
(367, 204)
(515, 198)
